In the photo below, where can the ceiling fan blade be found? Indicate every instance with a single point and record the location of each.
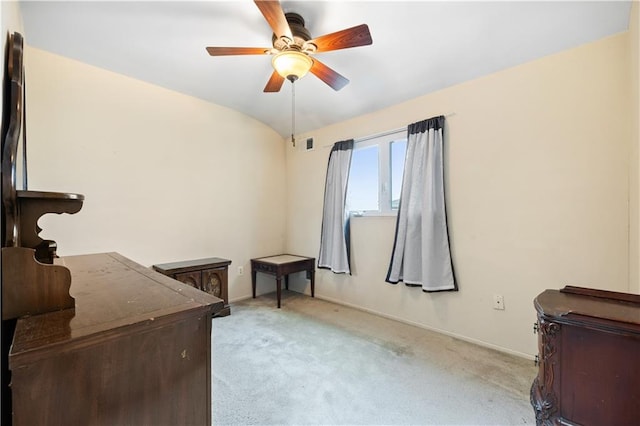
(274, 84)
(273, 13)
(225, 51)
(329, 76)
(351, 37)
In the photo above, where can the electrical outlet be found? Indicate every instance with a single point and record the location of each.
(240, 270)
(498, 302)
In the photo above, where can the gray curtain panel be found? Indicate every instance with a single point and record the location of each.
(334, 238)
(421, 255)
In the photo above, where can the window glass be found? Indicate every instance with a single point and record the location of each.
(362, 191)
(375, 177)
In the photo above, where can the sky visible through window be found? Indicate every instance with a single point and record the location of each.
(363, 179)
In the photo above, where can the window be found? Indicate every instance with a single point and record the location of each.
(375, 176)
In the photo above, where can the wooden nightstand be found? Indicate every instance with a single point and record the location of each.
(281, 266)
(209, 275)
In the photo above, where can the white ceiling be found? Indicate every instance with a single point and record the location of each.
(418, 47)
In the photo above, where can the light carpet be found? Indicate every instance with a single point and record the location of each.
(315, 362)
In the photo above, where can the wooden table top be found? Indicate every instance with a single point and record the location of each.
(281, 259)
(187, 265)
(597, 304)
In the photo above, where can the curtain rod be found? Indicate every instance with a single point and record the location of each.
(381, 134)
(375, 135)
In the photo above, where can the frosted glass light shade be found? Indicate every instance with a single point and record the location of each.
(292, 63)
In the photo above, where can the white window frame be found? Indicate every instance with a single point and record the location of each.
(383, 142)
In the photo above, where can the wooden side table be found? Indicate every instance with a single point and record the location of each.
(209, 275)
(283, 265)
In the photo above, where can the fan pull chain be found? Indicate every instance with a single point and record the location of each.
(293, 113)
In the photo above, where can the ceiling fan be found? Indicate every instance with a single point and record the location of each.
(293, 47)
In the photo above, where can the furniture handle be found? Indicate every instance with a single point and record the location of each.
(536, 327)
(536, 360)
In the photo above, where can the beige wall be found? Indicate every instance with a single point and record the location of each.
(166, 176)
(537, 184)
(634, 181)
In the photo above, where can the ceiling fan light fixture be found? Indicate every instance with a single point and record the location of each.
(292, 64)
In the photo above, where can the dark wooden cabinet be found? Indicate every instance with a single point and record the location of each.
(589, 358)
(136, 350)
(209, 275)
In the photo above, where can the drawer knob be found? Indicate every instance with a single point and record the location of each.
(536, 360)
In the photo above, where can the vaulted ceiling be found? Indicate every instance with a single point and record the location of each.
(418, 47)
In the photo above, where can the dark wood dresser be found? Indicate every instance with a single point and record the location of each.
(589, 358)
(135, 350)
(210, 275)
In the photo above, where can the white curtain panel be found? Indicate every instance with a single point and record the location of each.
(421, 255)
(334, 238)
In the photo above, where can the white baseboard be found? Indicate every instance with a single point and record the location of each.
(416, 324)
(241, 298)
(434, 329)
